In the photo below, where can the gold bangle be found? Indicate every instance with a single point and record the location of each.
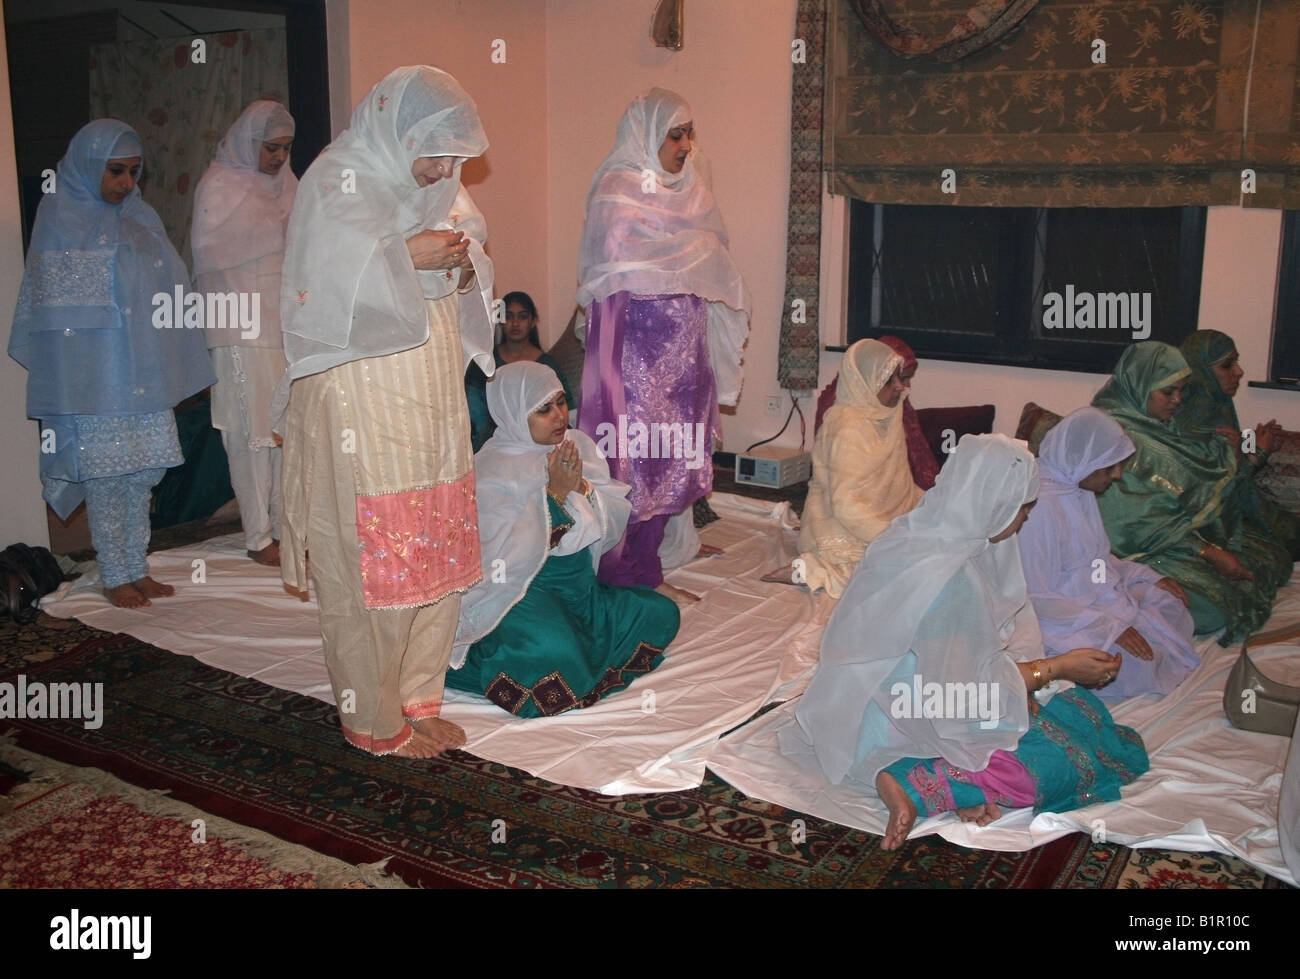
(1037, 674)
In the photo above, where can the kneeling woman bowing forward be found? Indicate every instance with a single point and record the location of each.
(543, 635)
(939, 604)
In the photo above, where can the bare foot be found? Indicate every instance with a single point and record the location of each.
(126, 596)
(902, 811)
(981, 815)
(420, 746)
(678, 595)
(269, 555)
(442, 733)
(708, 550)
(149, 588)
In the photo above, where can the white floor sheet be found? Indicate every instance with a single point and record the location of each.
(744, 644)
(747, 643)
(1211, 787)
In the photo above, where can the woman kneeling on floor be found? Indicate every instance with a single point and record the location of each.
(923, 689)
(546, 635)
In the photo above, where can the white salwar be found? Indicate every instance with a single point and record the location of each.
(861, 477)
(1083, 595)
(238, 238)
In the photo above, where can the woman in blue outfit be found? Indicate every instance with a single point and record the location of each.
(107, 353)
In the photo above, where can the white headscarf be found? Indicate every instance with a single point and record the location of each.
(862, 479)
(1064, 536)
(510, 474)
(932, 597)
(240, 213)
(349, 289)
(650, 232)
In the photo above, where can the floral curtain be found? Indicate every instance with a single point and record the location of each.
(182, 108)
(975, 28)
(1114, 103)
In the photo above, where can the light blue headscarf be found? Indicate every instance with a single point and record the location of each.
(83, 326)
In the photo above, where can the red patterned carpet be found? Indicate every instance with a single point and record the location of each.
(274, 761)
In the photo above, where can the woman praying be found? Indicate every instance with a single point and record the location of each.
(385, 281)
(940, 599)
(241, 210)
(546, 635)
(1082, 594)
(861, 478)
(1208, 411)
(1179, 508)
(925, 467)
(667, 315)
(102, 378)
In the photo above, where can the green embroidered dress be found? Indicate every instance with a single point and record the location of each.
(570, 640)
(1206, 408)
(1180, 492)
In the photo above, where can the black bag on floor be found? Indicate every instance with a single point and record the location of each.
(27, 574)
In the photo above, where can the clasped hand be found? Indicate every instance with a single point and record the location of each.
(564, 469)
(437, 250)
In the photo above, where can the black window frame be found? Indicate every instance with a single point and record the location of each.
(1013, 341)
(1284, 350)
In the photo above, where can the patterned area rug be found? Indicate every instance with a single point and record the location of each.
(66, 827)
(275, 761)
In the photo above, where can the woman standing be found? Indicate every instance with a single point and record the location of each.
(241, 209)
(101, 378)
(385, 282)
(547, 636)
(667, 315)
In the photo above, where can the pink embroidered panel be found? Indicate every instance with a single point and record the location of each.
(419, 546)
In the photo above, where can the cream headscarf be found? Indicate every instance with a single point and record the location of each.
(514, 526)
(861, 476)
(649, 232)
(349, 288)
(932, 597)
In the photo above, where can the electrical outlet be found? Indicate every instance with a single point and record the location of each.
(773, 405)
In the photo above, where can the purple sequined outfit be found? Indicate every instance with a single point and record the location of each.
(648, 361)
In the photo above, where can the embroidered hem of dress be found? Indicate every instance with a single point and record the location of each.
(418, 712)
(418, 546)
(379, 746)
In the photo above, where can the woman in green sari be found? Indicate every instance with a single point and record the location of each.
(1208, 412)
(1179, 507)
(539, 635)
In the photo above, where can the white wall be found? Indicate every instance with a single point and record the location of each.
(22, 512)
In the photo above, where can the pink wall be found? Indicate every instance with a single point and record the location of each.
(550, 111)
(509, 182)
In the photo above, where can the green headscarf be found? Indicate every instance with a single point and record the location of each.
(1205, 406)
(1179, 478)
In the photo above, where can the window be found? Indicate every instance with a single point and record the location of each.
(1284, 355)
(1057, 288)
